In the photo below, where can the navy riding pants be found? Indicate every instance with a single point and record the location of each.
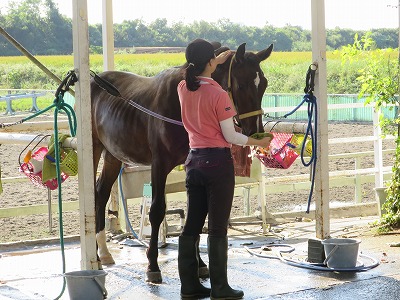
(210, 183)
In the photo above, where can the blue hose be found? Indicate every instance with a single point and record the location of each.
(124, 204)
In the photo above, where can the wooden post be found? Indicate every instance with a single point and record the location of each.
(357, 188)
(84, 136)
(322, 169)
(108, 65)
(108, 36)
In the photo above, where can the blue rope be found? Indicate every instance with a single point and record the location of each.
(125, 204)
(312, 114)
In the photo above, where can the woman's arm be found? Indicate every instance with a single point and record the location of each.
(234, 137)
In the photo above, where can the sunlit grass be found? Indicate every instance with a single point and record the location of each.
(285, 70)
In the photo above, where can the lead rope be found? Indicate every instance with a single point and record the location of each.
(112, 90)
(60, 105)
(311, 130)
(312, 112)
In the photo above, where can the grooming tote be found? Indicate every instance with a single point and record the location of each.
(297, 142)
(36, 178)
(280, 154)
(68, 160)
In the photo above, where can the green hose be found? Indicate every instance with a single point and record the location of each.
(60, 105)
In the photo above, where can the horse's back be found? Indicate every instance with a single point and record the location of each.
(130, 134)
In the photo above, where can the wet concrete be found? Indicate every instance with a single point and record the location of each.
(37, 273)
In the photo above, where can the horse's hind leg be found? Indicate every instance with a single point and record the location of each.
(109, 174)
(159, 174)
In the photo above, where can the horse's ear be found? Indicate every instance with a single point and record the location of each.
(216, 45)
(239, 57)
(264, 54)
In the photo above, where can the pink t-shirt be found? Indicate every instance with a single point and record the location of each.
(202, 110)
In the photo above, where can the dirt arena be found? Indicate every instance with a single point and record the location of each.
(37, 226)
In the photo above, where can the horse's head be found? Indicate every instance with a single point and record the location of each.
(242, 77)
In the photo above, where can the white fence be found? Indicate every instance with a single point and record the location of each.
(272, 184)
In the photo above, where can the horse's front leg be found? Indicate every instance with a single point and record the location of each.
(156, 216)
(109, 174)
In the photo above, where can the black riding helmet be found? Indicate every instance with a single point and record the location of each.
(199, 51)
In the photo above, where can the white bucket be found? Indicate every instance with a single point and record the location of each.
(341, 253)
(86, 285)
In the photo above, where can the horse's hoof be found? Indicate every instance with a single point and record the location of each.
(99, 265)
(203, 272)
(107, 260)
(154, 277)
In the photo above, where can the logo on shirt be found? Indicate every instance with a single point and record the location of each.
(227, 108)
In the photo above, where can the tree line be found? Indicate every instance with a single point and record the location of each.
(43, 30)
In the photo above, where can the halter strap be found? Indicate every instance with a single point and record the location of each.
(251, 114)
(230, 80)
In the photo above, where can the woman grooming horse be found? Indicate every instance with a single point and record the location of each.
(207, 115)
(124, 134)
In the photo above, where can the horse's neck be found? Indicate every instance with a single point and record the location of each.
(221, 78)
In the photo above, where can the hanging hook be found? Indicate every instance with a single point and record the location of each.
(310, 76)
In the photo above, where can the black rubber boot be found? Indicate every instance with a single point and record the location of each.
(188, 267)
(203, 269)
(218, 262)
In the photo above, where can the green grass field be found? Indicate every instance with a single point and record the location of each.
(285, 72)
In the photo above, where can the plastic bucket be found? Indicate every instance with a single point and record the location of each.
(86, 285)
(341, 253)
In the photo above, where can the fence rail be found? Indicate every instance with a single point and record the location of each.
(346, 107)
(275, 184)
(355, 177)
(10, 95)
(342, 107)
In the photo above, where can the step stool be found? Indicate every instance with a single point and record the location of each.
(145, 226)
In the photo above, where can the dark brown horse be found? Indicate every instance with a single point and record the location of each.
(125, 134)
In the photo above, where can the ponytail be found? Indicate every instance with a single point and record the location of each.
(192, 71)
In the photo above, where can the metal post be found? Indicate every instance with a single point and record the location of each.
(49, 210)
(9, 109)
(262, 197)
(34, 108)
(246, 200)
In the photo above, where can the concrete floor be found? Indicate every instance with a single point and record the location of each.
(36, 273)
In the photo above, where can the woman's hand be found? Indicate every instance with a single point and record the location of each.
(263, 143)
(223, 56)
